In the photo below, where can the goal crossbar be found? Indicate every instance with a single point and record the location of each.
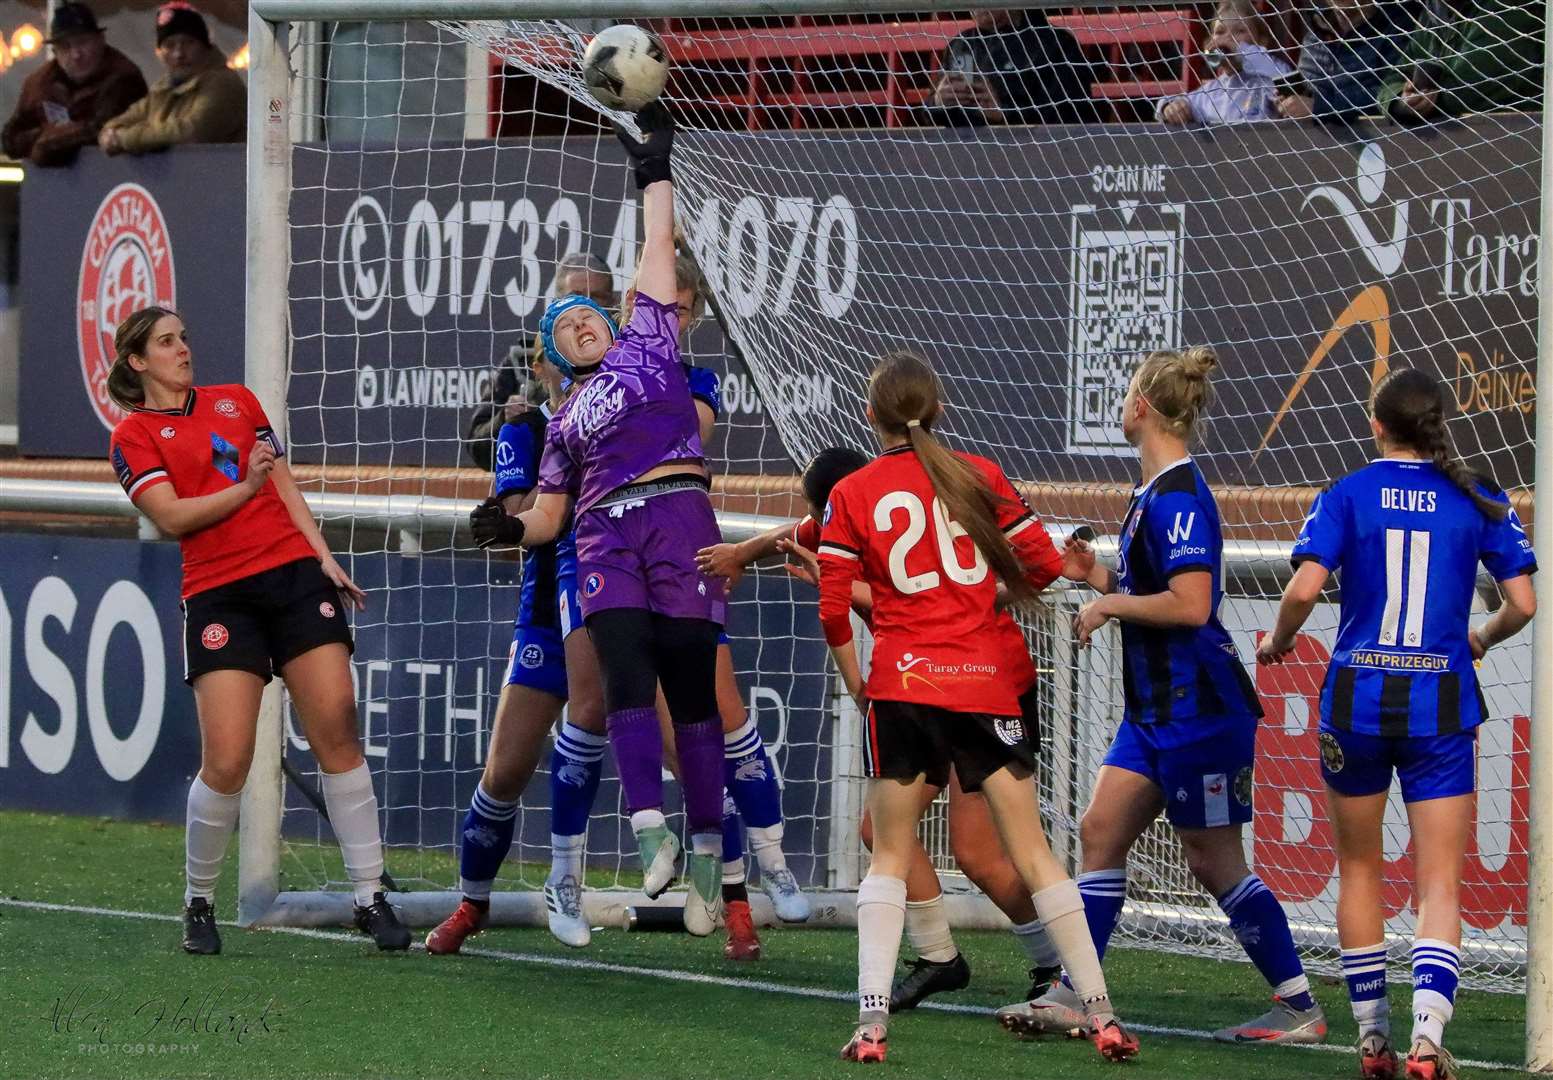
(268, 178)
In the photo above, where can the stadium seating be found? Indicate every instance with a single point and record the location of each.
(779, 76)
(1152, 43)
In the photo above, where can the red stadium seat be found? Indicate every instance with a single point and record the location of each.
(1153, 43)
(792, 71)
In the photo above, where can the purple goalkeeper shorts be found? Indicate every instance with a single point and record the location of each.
(641, 553)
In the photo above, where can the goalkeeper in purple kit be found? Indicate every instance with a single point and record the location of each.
(625, 453)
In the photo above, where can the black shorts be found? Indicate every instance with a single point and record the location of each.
(903, 740)
(262, 622)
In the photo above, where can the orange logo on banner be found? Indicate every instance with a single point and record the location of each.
(1370, 308)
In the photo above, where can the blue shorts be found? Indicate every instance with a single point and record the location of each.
(568, 603)
(1207, 783)
(1429, 766)
(538, 660)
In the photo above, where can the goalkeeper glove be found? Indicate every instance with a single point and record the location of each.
(650, 156)
(493, 525)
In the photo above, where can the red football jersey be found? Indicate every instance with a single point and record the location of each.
(201, 449)
(939, 637)
(806, 533)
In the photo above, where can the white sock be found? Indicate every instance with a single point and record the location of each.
(881, 917)
(565, 857)
(734, 872)
(1037, 944)
(352, 807)
(927, 928)
(208, 825)
(766, 845)
(1061, 909)
(1372, 1015)
(646, 819)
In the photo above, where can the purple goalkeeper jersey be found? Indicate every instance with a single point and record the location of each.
(634, 414)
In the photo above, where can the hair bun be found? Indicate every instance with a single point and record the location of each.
(1199, 360)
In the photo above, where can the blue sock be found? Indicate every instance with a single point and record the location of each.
(1436, 969)
(733, 843)
(575, 767)
(1104, 893)
(1261, 927)
(750, 779)
(484, 842)
(1364, 969)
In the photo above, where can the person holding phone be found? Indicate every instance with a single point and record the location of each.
(1468, 56)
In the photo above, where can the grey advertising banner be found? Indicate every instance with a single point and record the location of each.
(1033, 265)
(107, 237)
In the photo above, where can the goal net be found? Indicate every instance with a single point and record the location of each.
(855, 183)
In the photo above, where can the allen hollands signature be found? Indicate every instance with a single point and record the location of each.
(237, 1009)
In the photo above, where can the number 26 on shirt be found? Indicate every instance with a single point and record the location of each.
(945, 531)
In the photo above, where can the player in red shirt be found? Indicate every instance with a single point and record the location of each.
(973, 839)
(261, 594)
(934, 533)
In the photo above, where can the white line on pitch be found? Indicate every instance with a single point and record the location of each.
(671, 975)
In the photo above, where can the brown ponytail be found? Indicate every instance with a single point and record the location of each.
(904, 396)
(1175, 385)
(1409, 405)
(125, 386)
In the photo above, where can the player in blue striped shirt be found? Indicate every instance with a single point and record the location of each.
(1406, 533)
(1188, 738)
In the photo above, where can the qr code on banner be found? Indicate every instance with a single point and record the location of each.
(1126, 302)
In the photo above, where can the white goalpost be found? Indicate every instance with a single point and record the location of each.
(406, 208)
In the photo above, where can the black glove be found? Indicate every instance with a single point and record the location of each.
(650, 157)
(492, 525)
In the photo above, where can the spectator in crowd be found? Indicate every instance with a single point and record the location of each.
(1013, 67)
(65, 103)
(199, 100)
(1237, 50)
(581, 273)
(1349, 48)
(1469, 56)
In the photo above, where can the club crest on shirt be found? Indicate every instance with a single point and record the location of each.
(214, 636)
(169, 432)
(226, 407)
(1010, 730)
(1243, 786)
(1331, 752)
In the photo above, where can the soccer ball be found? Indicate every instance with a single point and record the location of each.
(625, 67)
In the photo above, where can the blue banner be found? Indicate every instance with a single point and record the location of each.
(95, 717)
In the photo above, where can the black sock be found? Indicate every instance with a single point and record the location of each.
(483, 905)
(735, 891)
